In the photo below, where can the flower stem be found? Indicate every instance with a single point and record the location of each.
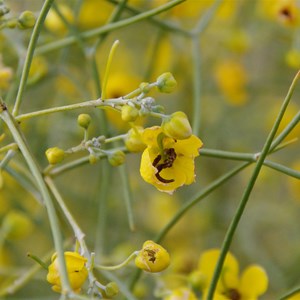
(119, 266)
(127, 196)
(34, 168)
(239, 212)
(30, 50)
(106, 28)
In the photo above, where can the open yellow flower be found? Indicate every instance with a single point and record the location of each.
(76, 270)
(168, 163)
(252, 283)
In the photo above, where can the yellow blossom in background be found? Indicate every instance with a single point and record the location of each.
(6, 75)
(118, 85)
(182, 293)
(231, 78)
(252, 283)
(292, 58)
(55, 24)
(38, 69)
(167, 163)
(286, 12)
(152, 258)
(76, 269)
(294, 297)
(16, 225)
(94, 13)
(294, 183)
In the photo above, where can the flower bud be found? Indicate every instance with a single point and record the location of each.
(26, 19)
(152, 258)
(84, 120)
(111, 289)
(55, 155)
(93, 159)
(134, 141)
(166, 83)
(144, 86)
(16, 225)
(177, 126)
(196, 279)
(129, 113)
(181, 293)
(116, 158)
(76, 269)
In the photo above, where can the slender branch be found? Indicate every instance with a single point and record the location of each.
(106, 28)
(290, 293)
(31, 48)
(34, 168)
(241, 207)
(282, 169)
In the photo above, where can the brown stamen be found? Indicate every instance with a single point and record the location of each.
(170, 156)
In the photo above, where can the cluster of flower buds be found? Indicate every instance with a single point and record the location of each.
(26, 19)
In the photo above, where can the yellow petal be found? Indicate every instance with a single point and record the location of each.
(254, 282)
(207, 264)
(188, 147)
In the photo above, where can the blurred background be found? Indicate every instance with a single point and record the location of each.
(241, 63)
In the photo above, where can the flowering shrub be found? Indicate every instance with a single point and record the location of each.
(154, 123)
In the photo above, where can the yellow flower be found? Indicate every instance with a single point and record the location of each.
(252, 283)
(168, 163)
(94, 13)
(285, 12)
(77, 272)
(55, 24)
(231, 78)
(294, 297)
(152, 258)
(38, 69)
(182, 293)
(292, 58)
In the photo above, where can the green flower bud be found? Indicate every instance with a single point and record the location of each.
(16, 225)
(111, 289)
(134, 141)
(26, 19)
(166, 83)
(177, 126)
(116, 158)
(129, 113)
(196, 279)
(84, 120)
(93, 159)
(55, 155)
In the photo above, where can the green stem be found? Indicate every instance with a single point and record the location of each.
(127, 194)
(119, 266)
(170, 26)
(290, 293)
(106, 28)
(86, 104)
(19, 139)
(241, 207)
(30, 50)
(12, 146)
(286, 131)
(282, 169)
(196, 85)
(227, 154)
